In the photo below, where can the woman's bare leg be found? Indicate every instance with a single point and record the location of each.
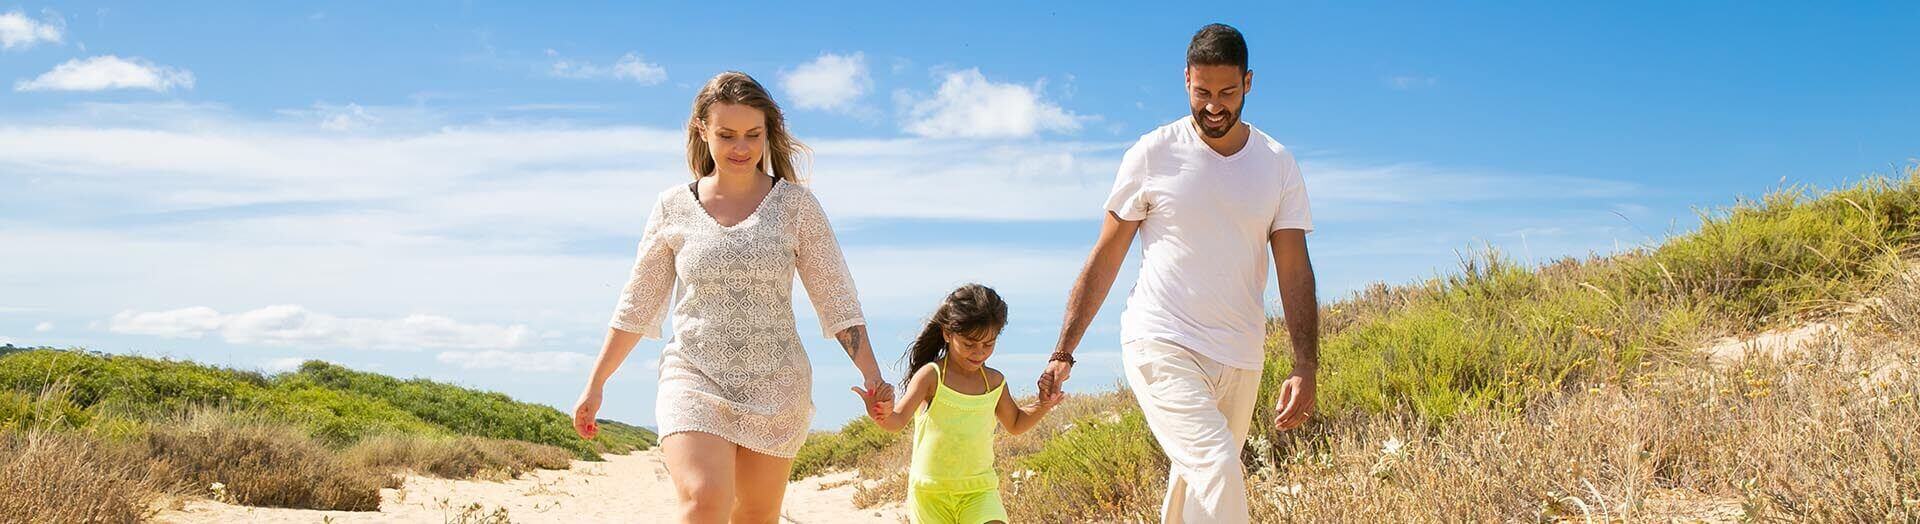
(760, 486)
(702, 467)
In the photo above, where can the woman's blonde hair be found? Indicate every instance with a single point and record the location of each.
(734, 87)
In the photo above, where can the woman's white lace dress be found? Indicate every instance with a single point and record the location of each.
(734, 367)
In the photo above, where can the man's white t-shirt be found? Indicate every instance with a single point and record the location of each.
(1205, 223)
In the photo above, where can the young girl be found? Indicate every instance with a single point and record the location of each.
(952, 479)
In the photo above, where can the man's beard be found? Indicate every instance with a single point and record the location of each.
(1200, 121)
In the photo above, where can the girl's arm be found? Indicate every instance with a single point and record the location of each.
(919, 390)
(1018, 419)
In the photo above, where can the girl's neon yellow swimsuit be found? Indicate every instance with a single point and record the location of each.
(952, 479)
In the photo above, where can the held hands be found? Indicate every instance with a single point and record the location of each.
(1047, 402)
(1054, 379)
(877, 395)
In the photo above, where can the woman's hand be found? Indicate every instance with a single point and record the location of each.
(584, 411)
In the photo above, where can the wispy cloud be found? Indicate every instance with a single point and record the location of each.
(510, 224)
(346, 118)
(19, 31)
(629, 67)
(283, 364)
(968, 105)
(531, 361)
(43, 327)
(283, 325)
(106, 72)
(1335, 179)
(830, 82)
(501, 187)
(507, 230)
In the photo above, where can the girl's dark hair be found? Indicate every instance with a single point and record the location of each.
(972, 309)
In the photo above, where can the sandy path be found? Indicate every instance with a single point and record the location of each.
(625, 488)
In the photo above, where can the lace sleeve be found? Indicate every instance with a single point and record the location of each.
(650, 286)
(823, 269)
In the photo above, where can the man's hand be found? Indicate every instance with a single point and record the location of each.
(1296, 401)
(1054, 379)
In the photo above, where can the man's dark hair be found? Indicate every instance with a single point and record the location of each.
(1218, 44)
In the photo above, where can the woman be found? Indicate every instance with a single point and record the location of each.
(735, 396)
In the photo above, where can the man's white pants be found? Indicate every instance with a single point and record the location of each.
(1199, 410)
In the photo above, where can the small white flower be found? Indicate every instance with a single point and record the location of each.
(1392, 446)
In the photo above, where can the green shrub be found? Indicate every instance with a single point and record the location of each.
(824, 452)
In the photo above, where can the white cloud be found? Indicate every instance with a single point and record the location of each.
(17, 31)
(523, 188)
(504, 224)
(295, 325)
(629, 67)
(4, 341)
(487, 223)
(345, 118)
(831, 81)
(193, 322)
(535, 361)
(43, 327)
(968, 105)
(283, 365)
(108, 72)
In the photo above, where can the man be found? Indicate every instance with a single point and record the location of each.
(1210, 197)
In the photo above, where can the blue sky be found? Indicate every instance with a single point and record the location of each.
(454, 190)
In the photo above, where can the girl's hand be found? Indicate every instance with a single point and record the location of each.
(879, 400)
(1049, 401)
(584, 411)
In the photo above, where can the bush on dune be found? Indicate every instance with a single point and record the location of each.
(148, 426)
(59, 476)
(468, 412)
(829, 451)
(261, 463)
(458, 457)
